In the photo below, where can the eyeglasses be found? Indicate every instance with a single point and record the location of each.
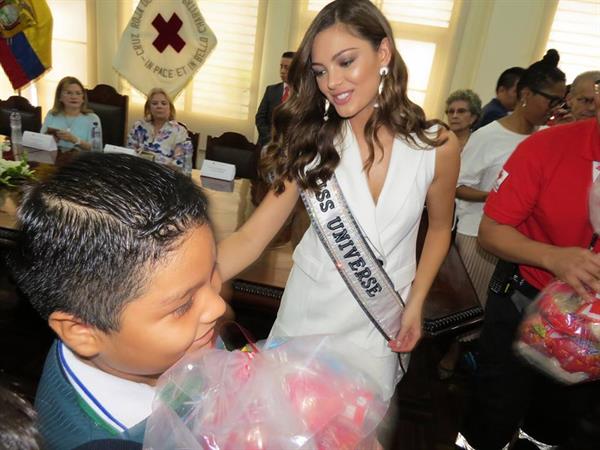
(451, 111)
(587, 101)
(554, 100)
(72, 93)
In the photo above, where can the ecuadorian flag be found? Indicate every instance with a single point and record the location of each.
(25, 40)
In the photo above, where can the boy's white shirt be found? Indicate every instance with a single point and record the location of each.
(126, 401)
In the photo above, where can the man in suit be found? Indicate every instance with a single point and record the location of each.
(274, 95)
(506, 97)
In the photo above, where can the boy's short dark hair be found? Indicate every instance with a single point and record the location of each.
(18, 429)
(509, 77)
(92, 232)
(288, 55)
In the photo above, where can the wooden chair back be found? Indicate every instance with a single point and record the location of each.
(195, 138)
(111, 108)
(234, 148)
(31, 116)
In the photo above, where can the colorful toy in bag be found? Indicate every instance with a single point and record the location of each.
(298, 394)
(561, 332)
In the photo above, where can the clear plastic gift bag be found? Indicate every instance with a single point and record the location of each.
(560, 334)
(297, 393)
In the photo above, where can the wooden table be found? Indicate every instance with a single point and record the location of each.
(227, 207)
(451, 306)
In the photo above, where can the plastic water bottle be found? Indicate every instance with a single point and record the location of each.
(188, 164)
(96, 138)
(16, 134)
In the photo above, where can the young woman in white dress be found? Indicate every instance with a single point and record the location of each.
(349, 114)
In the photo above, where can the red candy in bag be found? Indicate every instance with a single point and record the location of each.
(560, 334)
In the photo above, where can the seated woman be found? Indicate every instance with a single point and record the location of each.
(70, 120)
(159, 133)
(463, 108)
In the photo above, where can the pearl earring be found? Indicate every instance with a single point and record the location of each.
(326, 115)
(524, 104)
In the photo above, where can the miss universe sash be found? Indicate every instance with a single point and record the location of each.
(353, 257)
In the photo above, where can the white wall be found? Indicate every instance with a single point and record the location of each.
(498, 35)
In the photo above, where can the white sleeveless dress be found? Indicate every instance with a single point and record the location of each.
(316, 299)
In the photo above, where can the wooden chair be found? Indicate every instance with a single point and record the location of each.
(234, 148)
(195, 138)
(111, 108)
(31, 116)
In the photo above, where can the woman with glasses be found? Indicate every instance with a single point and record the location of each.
(540, 90)
(70, 120)
(463, 108)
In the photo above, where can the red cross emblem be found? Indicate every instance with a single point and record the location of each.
(168, 33)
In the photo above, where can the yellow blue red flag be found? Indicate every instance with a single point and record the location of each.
(25, 40)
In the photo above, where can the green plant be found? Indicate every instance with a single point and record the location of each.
(14, 171)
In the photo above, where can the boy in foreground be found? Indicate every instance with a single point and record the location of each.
(117, 253)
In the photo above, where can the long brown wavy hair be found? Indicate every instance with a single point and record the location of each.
(302, 142)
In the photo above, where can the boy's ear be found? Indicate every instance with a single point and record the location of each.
(83, 339)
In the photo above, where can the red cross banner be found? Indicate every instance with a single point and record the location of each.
(164, 45)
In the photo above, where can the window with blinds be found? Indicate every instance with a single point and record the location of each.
(223, 85)
(575, 33)
(435, 13)
(69, 48)
(423, 30)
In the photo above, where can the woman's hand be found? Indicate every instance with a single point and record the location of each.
(411, 329)
(66, 136)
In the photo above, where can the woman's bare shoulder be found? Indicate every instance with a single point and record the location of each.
(449, 142)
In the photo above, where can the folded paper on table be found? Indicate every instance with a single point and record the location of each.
(217, 185)
(109, 148)
(217, 169)
(39, 141)
(45, 157)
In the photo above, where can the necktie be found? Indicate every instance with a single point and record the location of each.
(286, 93)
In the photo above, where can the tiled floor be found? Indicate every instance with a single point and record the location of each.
(426, 410)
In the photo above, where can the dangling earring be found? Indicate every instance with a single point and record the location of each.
(383, 71)
(524, 104)
(326, 115)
